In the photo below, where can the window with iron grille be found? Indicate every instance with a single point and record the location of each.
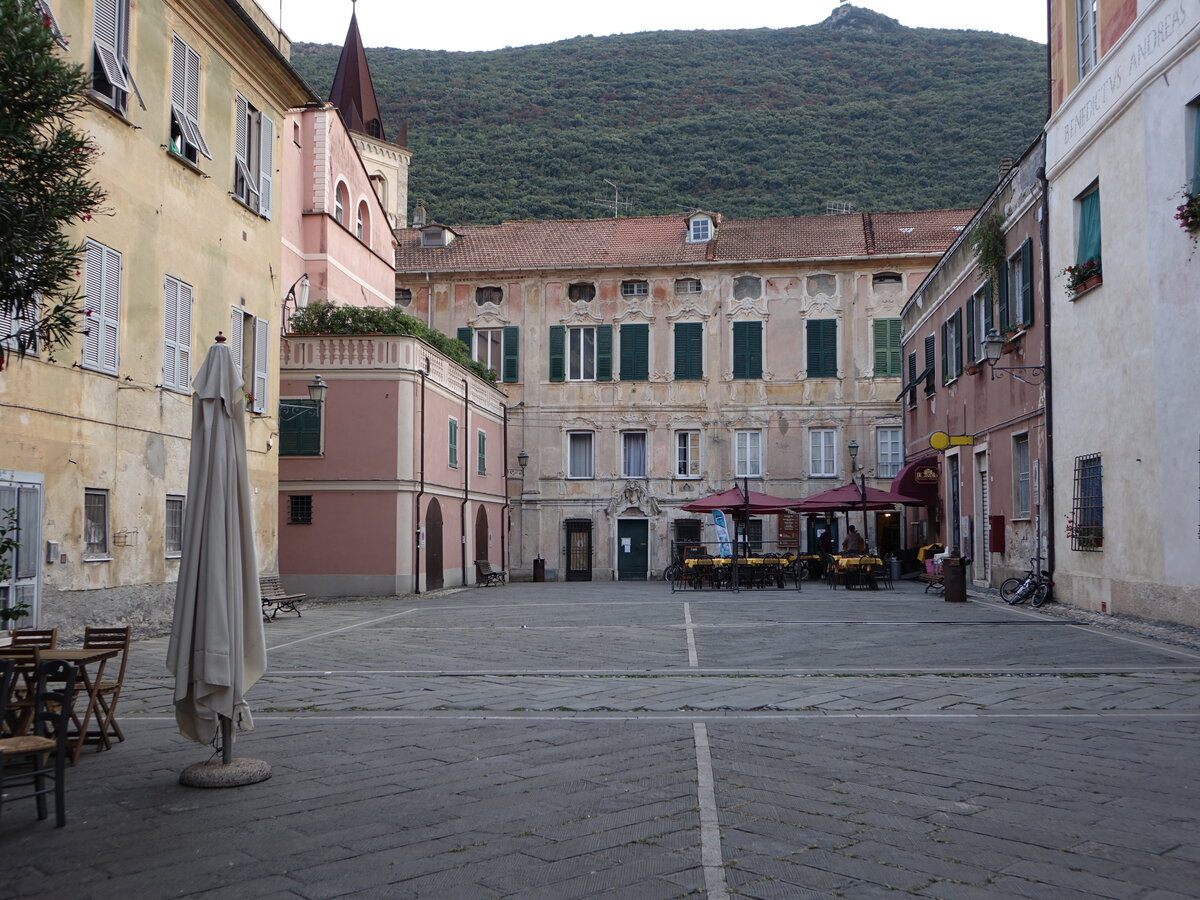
(173, 531)
(95, 524)
(1087, 511)
(300, 509)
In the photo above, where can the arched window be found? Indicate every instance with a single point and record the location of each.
(340, 198)
(380, 184)
(362, 222)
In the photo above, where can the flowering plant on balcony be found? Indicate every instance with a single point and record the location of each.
(1080, 276)
(1187, 213)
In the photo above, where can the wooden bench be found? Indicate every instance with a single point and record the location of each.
(274, 599)
(487, 575)
(937, 582)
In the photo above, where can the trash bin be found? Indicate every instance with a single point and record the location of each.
(539, 569)
(954, 578)
(894, 568)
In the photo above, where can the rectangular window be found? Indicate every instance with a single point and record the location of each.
(822, 348)
(701, 230)
(886, 334)
(581, 350)
(952, 347)
(754, 535)
(689, 351)
(1087, 512)
(889, 455)
(747, 349)
(930, 355)
(579, 454)
(635, 288)
(1020, 287)
(102, 282)
(748, 454)
(300, 509)
(635, 352)
(1021, 495)
(1193, 113)
(95, 524)
(299, 428)
(1088, 249)
(18, 328)
(581, 292)
(633, 454)
(481, 446)
(1085, 13)
(111, 77)
(174, 526)
(249, 345)
(979, 322)
(687, 454)
(253, 154)
(822, 455)
(452, 444)
(489, 348)
(687, 285)
(186, 139)
(912, 378)
(177, 335)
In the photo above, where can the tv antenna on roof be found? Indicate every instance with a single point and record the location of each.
(839, 207)
(616, 202)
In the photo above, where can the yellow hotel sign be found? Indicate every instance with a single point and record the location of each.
(939, 440)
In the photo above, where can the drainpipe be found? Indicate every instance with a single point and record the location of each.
(1044, 237)
(504, 513)
(417, 499)
(462, 512)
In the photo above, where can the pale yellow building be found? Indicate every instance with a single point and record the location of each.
(186, 106)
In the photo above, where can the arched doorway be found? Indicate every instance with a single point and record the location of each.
(434, 578)
(481, 535)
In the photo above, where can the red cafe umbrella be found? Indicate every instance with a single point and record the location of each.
(849, 497)
(734, 499)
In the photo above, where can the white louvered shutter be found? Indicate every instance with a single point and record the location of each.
(183, 337)
(241, 142)
(266, 166)
(107, 37)
(170, 325)
(262, 346)
(192, 98)
(235, 337)
(110, 303)
(93, 284)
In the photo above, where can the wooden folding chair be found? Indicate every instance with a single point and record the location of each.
(44, 751)
(30, 638)
(108, 692)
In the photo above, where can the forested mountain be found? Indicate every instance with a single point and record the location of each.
(857, 109)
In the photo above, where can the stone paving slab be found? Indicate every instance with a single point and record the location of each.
(432, 747)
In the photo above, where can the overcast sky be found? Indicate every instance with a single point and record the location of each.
(474, 25)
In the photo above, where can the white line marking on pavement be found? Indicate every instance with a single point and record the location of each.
(693, 659)
(693, 717)
(313, 637)
(710, 828)
(914, 671)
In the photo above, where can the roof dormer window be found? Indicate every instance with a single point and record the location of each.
(433, 237)
(700, 229)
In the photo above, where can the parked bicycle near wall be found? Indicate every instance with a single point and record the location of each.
(1035, 587)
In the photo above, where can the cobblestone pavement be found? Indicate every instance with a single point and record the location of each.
(618, 740)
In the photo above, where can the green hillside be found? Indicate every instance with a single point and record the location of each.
(762, 122)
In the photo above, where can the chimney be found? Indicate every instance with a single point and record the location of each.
(1006, 164)
(419, 214)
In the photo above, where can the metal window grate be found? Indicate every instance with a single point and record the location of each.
(300, 509)
(95, 524)
(1087, 512)
(174, 526)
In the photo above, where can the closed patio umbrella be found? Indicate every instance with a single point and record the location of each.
(217, 649)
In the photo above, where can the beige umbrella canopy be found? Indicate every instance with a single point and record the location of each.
(217, 648)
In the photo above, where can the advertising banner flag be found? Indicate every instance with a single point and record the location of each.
(722, 534)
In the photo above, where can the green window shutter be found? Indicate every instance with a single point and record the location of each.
(1027, 282)
(912, 377)
(558, 342)
(822, 348)
(635, 352)
(512, 350)
(747, 349)
(1006, 323)
(886, 336)
(482, 453)
(945, 355)
(452, 451)
(299, 428)
(957, 362)
(464, 335)
(1089, 228)
(689, 351)
(604, 353)
(972, 347)
(988, 325)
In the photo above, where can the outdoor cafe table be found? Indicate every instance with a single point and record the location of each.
(89, 664)
(855, 568)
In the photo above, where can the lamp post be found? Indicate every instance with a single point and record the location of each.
(993, 347)
(852, 447)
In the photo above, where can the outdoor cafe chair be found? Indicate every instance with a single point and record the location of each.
(108, 691)
(29, 638)
(44, 752)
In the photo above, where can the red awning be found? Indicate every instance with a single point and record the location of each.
(920, 479)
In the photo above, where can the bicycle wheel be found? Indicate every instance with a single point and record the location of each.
(1009, 590)
(672, 572)
(1041, 594)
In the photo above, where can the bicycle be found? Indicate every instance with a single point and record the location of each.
(1034, 587)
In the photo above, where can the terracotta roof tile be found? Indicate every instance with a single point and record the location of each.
(662, 241)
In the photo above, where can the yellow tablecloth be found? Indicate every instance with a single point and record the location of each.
(856, 562)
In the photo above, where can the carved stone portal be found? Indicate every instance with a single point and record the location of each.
(634, 496)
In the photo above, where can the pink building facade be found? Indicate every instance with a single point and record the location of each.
(396, 482)
(992, 499)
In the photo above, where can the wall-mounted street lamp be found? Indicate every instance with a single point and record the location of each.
(317, 388)
(297, 301)
(523, 461)
(993, 347)
(861, 484)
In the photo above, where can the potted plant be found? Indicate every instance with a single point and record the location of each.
(987, 239)
(1188, 213)
(1083, 276)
